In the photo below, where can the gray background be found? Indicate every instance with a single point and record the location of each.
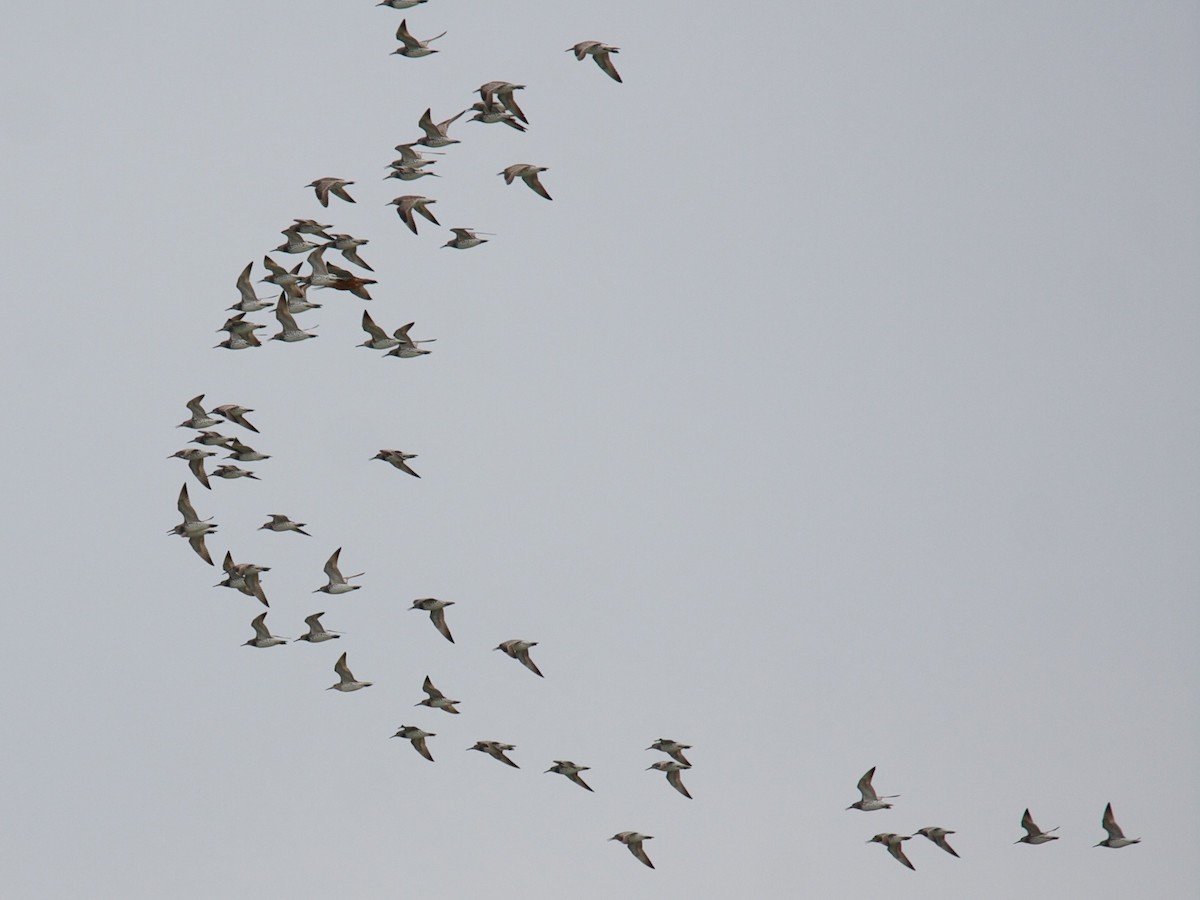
(840, 411)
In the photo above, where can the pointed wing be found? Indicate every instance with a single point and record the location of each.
(245, 288)
(197, 542)
(439, 622)
(865, 788)
(184, 505)
(286, 321)
(255, 588)
(369, 326)
(533, 182)
(574, 776)
(1028, 824)
(352, 255)
(444, 126)
(510, 103)
(195, 408)
(316, 259)
(427, 126)
(604, 61)
(1110, 823)
(675, 777)
(403, 35)
(421, 747)
(260, 628)
(897, 850)
(433, 692)
(331, 568)
(342, 669)
(196, 464)
(523, 656)
(403, 466)
(640, 852)
(401, 334)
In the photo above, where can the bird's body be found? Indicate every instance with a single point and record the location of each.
(501, 92)
(407, 173)
(281, 522)
(600, 52)
(378, 338)
(529, 174)
(413, 203)
(295, 243)
(239, 342)
(212, 439)
(496, 750)
(199, 418)
(464, 239)
(673, 749)
(317, 633)
(289, 331)
(319, 275)
(348, 281)
(236, 414)
(236, 326)
(337, 582)
(938, 836)
(633, 840)
(1033, 834)
(406, 347)
(436, 699)
(673, 769)
(399, 459)
(417, 737)
(492, 113)
(244, 452)
(870, 800)
(310, 226)
(192, 527)
(570, 770)
(436, 134)
(519, 650)
(231, 472)
(262, 637)
(248, 300)
(244, 577)
(195, 459)
(347, 682)
(281, 277)
(326, 186)
(894, 845)
(411, 158)
(413, 48)
(1116, 837)
(437, 612)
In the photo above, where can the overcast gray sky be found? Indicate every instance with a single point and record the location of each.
(840, 411)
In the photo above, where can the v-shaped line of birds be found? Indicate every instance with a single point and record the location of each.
(497, 104)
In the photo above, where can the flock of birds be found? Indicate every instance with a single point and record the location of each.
(497, 105)
(872, 801)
